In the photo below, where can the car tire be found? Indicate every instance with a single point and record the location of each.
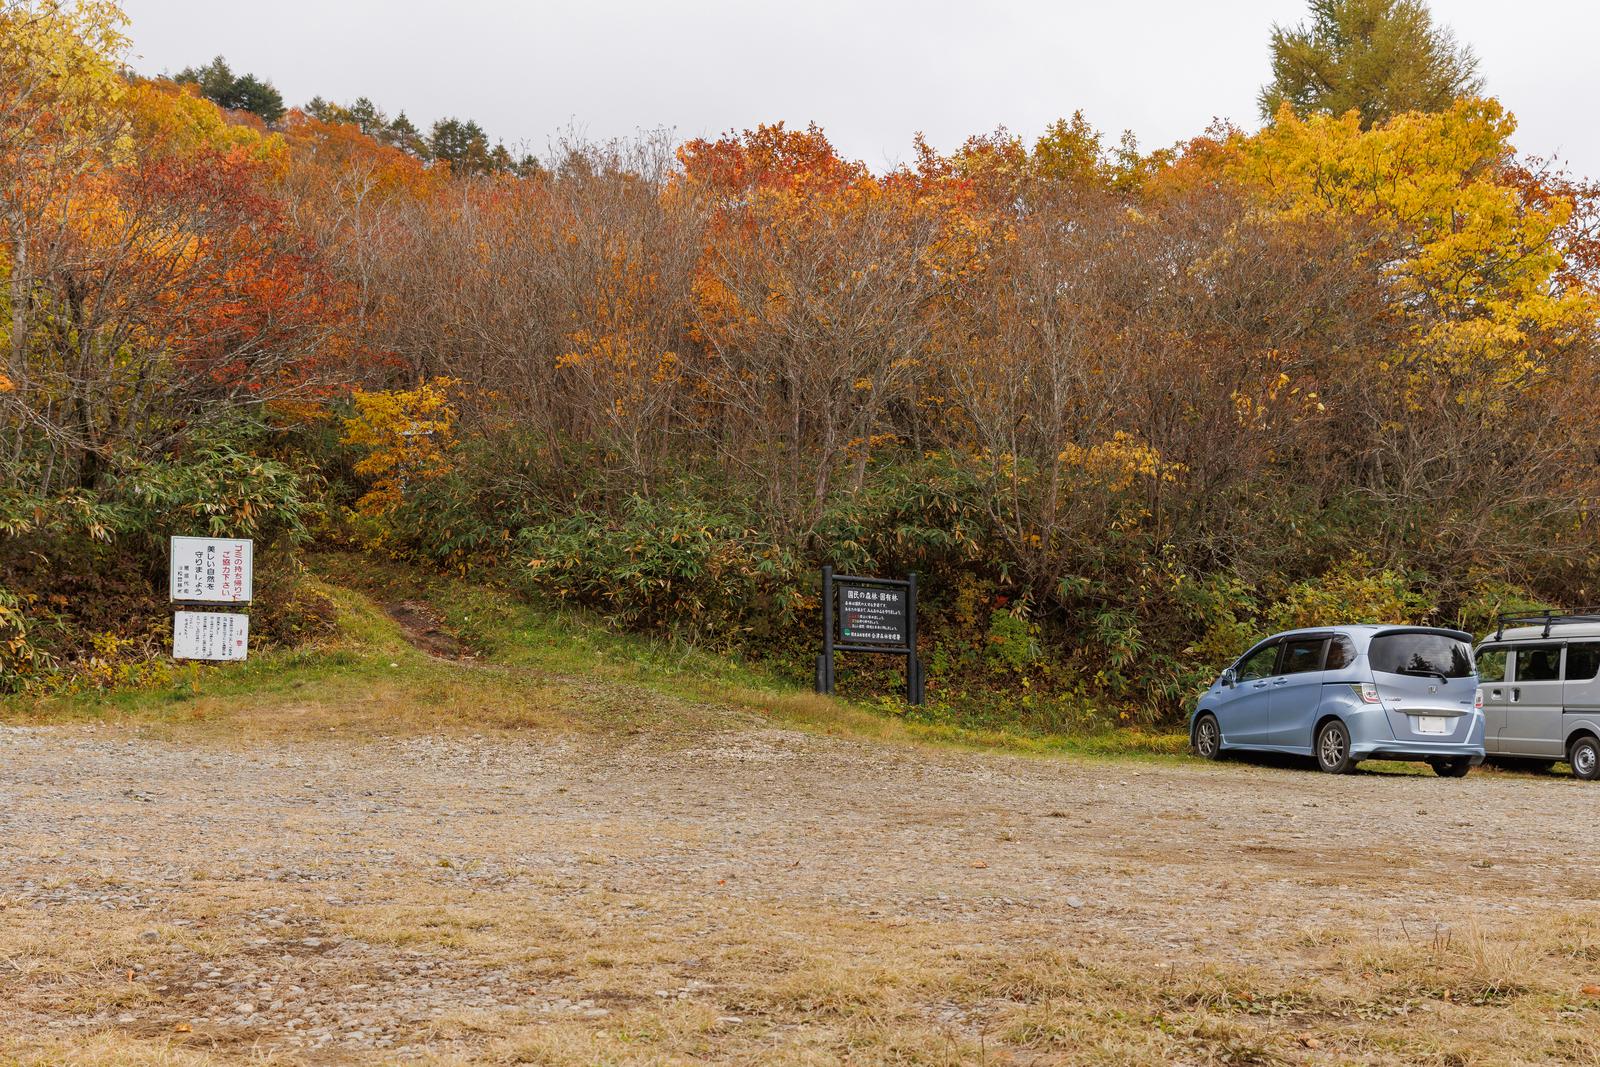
(1584, 755)
(1333, 748)
(1451, 768)
(1207, 741)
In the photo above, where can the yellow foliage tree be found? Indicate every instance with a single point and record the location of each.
(59, 71)
(618, 363)
(171, 118)
(59, 84)
(407, 435)
(1119, 463)
(1472, 264)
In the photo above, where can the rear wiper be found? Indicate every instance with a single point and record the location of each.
(1421, 673)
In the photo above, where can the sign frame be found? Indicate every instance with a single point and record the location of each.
(212, 636)
(902, 643)
(878, 617)
(203, 626)
(237, 555)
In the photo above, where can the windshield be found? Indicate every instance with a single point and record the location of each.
(1417, 653)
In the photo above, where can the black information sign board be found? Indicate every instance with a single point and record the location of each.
(875, 615)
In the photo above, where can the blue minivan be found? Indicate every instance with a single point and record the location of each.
(1344, 694)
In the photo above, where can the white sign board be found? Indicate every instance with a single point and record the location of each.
(212, 570)
(209, 635)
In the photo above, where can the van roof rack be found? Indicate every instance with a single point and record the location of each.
(1544, 618)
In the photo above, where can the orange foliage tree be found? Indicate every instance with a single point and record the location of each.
(1135, 396)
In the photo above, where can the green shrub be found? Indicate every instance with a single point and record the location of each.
(1353, 591)
(681, 566)
(87, 568)
(21, 660)
(1494, 598)
(924, 514)
(1013, 642)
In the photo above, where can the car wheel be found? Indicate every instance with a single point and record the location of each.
(1451, 768)
(1207, 737)
(1333, 748)
(1584, 755)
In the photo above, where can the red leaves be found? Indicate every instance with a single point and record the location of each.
(769, 157)
(222, 279)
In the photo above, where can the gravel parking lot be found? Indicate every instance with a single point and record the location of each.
(761, 894)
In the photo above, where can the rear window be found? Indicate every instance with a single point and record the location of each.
(1419, 653)
(1583, 662)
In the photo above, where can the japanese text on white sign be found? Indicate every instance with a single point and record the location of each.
(215, 635)
(212, 570)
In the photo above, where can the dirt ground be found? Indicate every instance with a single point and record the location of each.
(763, 895)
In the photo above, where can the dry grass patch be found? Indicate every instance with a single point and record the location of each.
(114, 1049)
(599, 977)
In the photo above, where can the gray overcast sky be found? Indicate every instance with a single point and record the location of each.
(871, 73)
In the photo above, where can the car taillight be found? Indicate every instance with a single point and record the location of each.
(1366, 691)
(1477, 699)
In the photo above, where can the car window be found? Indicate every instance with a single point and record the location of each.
(1583, 662)
(1303, 654)
(1341, 653)
(1258, 664)
(1491, 665)
(1539, 663)
(1413, 652)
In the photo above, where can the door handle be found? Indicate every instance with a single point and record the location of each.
(1516, 693)
(1280, 681)
(1259, 685)
(1497, 693)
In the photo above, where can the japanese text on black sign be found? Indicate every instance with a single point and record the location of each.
(873, 616)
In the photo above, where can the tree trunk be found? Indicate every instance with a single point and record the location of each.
(20, 294)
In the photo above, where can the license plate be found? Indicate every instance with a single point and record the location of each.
(1430, 724)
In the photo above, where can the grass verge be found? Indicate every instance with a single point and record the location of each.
(530, 668)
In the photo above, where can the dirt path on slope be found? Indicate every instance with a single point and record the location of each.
(421, 626)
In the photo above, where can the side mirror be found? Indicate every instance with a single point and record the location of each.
(1229, 679)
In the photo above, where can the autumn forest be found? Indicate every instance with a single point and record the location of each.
(1123, 409)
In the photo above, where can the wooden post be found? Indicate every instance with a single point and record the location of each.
(913, 665)
(825, 661)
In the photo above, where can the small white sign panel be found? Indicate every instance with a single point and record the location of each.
(209, 635)
(212, 570)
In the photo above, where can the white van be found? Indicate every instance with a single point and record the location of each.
(1539, 681)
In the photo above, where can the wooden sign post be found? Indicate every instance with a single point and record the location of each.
(873, 615)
